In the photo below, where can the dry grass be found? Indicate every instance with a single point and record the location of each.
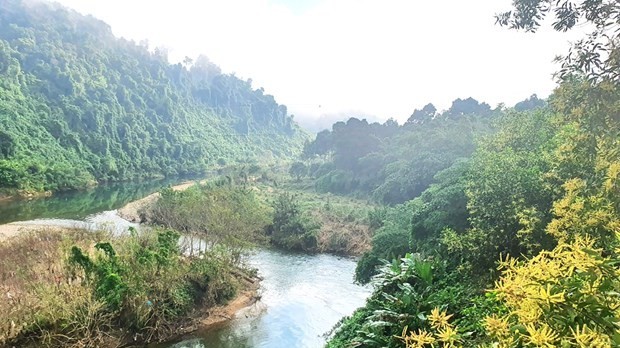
(47, 302)
(341, 236)
(41, 297)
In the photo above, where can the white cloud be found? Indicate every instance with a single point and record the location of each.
(383, 57)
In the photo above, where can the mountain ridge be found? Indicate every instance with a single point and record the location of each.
(79, 105)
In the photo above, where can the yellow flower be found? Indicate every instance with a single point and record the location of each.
(585, 337)
(418, 340)
(542, 336)
(439, 319)
(545, 295)
(528, 310)
(497, 327)
(448, 335)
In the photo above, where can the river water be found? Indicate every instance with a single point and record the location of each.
(302, 296)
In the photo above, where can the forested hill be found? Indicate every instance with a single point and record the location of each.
(78, 105)
(395, 163)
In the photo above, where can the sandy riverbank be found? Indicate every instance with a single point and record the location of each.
(14, 228)
(131, 211)
(246, 303)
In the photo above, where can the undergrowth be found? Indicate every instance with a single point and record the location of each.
(79, 288)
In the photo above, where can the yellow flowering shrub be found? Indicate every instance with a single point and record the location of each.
(566, 297)
(441, 333)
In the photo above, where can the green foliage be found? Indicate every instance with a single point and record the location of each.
(395, 302)
(597, 56)
(394, 164)
(298, 170)
(443, 205)
(531, 103)
(390, 241)
(405, 292)
(218, 213)
(387, 244)
(146, 282)
(538, 187)
(107, 273)
(291, 229)
(79, 105)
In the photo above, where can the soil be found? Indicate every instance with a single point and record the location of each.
(131, 212)
(10, 230)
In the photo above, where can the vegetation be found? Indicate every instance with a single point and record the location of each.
(79, 105)
(537, 195)
(394, 164)
(290, 229)
(215, 214)
(597, 56)
(239, 211)
(496, 227)
(79, 288)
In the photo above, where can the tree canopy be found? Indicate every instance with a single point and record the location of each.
(597, 56)
(78, 105)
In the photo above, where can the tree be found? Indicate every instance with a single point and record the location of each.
(84, 106)
(427, 113)
(298, 170)
(470, 106)
(531, 103)
(598, 55)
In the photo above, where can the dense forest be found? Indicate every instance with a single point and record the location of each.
(476, 226)
(537, 182)
(503, 224)
(78, 105)
(512, 239)
(396, 163)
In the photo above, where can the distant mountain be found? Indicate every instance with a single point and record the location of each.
(79, 105)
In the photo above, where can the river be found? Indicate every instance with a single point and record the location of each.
(302, 296)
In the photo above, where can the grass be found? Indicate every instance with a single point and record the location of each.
(42, 297)
(344, 226)
(142, 291)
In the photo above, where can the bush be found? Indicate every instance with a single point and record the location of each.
(566, 297)
(291, 229)
(102, 289)
(387, 244)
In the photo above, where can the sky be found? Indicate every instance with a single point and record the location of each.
(376, 58)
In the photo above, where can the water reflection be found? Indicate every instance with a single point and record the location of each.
(77, 205)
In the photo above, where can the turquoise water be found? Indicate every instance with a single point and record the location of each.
(77, 205)
(303, 297)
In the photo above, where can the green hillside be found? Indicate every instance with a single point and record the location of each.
(78, 105)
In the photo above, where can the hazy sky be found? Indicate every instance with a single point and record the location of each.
(373, 57)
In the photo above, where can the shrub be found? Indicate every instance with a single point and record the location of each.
(565, 297)
(389, 243)
(291, 229)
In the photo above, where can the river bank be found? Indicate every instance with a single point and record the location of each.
(129, 212)
(202, 319)
(132, 211)
(37, 276)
